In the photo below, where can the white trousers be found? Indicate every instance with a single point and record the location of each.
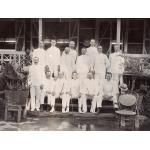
(54, 70)
(117, 77)
(50, 98)
(83, 102)
(35, 97)
(65, 100)
(97, 101)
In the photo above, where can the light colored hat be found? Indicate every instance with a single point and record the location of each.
(123, 87)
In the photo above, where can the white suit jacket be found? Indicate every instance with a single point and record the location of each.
(109, 88)
(41, 54)
(74, 87)
(36, 75)
(116, 63)
(48, 84)
(53, 56)
(89, 87)
(58, 86)
(83, 64)
(92, 52)
(101, 62)
(67, 63)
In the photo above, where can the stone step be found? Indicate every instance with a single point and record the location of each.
(76, 115)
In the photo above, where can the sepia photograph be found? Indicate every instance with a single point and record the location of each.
(74, 74)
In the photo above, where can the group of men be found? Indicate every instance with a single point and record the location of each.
(69, 76)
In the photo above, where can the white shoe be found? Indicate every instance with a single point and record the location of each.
(80, 111)
(91, 110)
(115, 105)
(63, 110)
(52, 110)
(37, 109)
(67, 110)
(32, 109)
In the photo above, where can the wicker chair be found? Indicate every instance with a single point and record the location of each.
(15, 101)
(128, 109)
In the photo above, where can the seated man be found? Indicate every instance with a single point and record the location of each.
(88, 90)
(108, 92)
(61, 90)
(48, 90)
(75, 87)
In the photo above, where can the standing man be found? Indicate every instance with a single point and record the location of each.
(41, 54)
(101, 63)
(117, 64)
(92, 51)
(83, 64)
(53, 58)
(67, 64)
(36, 82)
(73, 51)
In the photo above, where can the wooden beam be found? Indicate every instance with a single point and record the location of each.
(118, 31)
(40, 30)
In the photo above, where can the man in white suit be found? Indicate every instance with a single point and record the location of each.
(83, 64)
(67, 64)
(92, 51)
(36, 82)
(73, 51)
(53, 58)
(48, 90)
(117, 65)
(74, 85)
(88, 89)
(101, 63)
(61, 90)
(41, 54)
(107, 90)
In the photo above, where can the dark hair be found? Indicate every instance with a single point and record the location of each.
(74, 72)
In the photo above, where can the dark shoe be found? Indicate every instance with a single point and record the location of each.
(98, 110)
(48, 108)
(41, 108)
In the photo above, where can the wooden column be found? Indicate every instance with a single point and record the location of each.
(97, 31)
(118, 31)
(110, 45)
(40, 30)
(144, 36)
(78, 36)
(126, 37)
